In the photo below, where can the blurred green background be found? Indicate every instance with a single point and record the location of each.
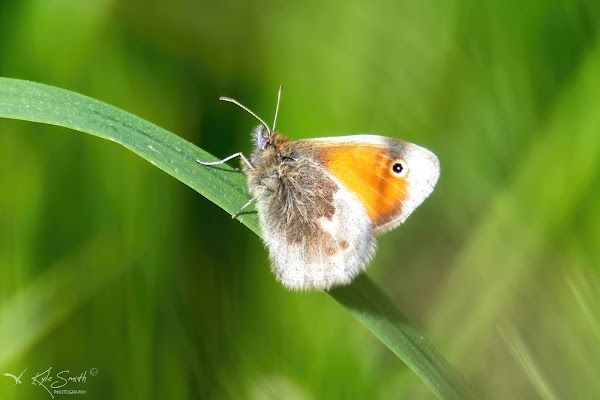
(108, 263)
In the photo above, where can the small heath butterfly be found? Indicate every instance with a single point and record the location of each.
(321, 201)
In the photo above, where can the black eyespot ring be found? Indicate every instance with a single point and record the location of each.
(398, 168)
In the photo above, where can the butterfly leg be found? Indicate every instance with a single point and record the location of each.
(227, 159)
(252, 200)
(235, 215)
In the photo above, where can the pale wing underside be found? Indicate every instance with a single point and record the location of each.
(337, 249)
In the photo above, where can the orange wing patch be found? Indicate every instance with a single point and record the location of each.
(367, 172)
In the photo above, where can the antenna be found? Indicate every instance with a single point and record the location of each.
(277, 108)
(243, 107)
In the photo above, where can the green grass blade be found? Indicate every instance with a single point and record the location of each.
(376, 311)
(45, 104)
(35, 102)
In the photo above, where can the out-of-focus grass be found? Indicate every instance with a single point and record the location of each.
(27, 315)
(496, 89)
(529, 213)
(525, 360)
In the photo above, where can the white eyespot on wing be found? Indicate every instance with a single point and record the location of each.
(343, 248)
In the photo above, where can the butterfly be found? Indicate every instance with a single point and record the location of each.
(321, 201)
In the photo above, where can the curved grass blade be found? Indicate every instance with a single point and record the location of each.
(35, 102)
(377, 312)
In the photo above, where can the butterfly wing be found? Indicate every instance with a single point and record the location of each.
(365, 165)
(317, 232)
